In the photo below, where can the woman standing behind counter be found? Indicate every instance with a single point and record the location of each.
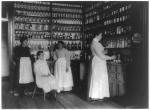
(99, 85)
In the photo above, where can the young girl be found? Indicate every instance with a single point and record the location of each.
(62, 71)
(44, 78)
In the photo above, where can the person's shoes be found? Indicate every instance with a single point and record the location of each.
(54, 94)
(95, 100)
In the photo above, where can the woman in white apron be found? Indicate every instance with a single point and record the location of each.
(24, 74)
(62, 70)
(99, 85)
(44, 78)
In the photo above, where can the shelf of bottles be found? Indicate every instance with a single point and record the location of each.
(67, 26)
(33, 19)
(118, 29)
(106, 14)
(111, 18)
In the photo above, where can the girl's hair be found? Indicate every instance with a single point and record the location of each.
(39, 53)
(23, 39)
(98, 33)
(61, 42)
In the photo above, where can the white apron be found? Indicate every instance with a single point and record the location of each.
(99, 86)
(63, 79)
(25, 71)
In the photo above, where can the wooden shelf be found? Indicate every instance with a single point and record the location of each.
(66, 12)
(67, 39)
(118, 48)
(39, 16)
(32, 22)
(35, 39)
(65, 18)
(38, 4)
(68, 7)
(67, 31)
(32, 30)
(123, 35)
(102, 26)
(32, 10)
(67, 24)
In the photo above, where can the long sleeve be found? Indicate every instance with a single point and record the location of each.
(67, 56)
(37, 69)
(96, 49)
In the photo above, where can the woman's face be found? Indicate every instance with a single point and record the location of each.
(25, 43)
(60, 46)
(99, 36)
(41, 56)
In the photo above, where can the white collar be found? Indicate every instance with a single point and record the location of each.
(95, 39)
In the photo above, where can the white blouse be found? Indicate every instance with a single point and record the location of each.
(63, 53)
(97, 49)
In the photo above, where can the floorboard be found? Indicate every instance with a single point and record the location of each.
(63, 101)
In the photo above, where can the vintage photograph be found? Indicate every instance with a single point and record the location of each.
(74, 54)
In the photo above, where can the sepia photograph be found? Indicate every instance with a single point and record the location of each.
(74, 54)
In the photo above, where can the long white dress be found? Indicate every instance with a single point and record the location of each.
(64, 79)
(99, 85)
(44, 79)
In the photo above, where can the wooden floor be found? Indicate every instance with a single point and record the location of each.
(63, 101)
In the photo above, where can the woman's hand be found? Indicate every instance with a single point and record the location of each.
(105, 51)
(113, 57)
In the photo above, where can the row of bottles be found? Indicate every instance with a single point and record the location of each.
(67, 10)
(67, 15)
(118, 30)
(93, 6)
(33, 13)
(63, 21)
(34, 27)
(29, 6)
(116, 20)
(67, 36)
(33, 36)
(67, 5)
(73, 46)
(91, 13)
(44, 35)
(120, 58)
(108, 5)
(35, 45)
(118, 43)
(92, 19)
(94, 16)
(67, 28)
(110, 13)
(38, 2)
(75, 56)
(31, 19)
(125, 8)
(45, 45)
